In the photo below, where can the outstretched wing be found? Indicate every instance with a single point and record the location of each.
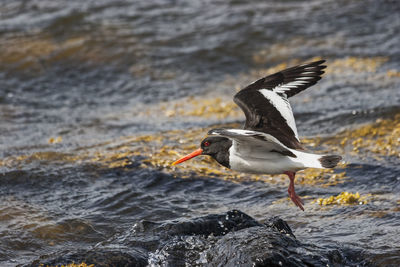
(253, 143)
(266, 106)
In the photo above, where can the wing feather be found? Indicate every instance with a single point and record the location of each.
(253, 143)
(265, 102)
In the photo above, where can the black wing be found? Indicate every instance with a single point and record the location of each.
(265, 103)
(252, 143)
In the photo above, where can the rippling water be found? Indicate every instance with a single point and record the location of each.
(82, 81)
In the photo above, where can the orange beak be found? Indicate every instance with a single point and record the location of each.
(191, 155)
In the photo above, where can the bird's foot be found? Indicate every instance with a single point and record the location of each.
(296, 199)
(292, 194)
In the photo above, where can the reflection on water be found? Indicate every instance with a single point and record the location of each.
(97, 98)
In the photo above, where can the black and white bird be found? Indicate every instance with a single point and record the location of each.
(269, 143)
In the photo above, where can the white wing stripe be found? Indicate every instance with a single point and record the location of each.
(283, 107)
(288, 86)
(305, 78)
(296, 83)
(308, 72)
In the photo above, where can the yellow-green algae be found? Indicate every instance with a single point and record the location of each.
(203, 107)
(30, 52)
(291, 47)
(33, 52)
(355, 64)
(223, 107)
(344, 198)
(393, 73)
(338, 66)
(55, 140)
(282, 52)
(158, 151)
(381, 138)
(219, 107)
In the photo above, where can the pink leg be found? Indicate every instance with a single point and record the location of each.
(295, 198)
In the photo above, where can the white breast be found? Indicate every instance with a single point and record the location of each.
(268, 163)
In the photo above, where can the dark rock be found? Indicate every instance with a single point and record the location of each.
(262, 246)
(235, 239)
(215, 224)
(280, 225)
(230, 239)
(100, 258)
(151, 235)
(272, 244)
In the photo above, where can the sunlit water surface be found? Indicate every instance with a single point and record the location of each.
(81, 79)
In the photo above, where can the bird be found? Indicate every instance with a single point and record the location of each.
(269, 142)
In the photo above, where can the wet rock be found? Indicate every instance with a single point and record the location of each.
(100, 258)
(269, 244)
(262, 246)
(215, 224)
(280, 225)
(229, 239)
(236, 239)
(150, 235)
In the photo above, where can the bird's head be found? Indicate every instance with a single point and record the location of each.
(213, 146)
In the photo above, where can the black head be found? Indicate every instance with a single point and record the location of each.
(214, 144)
(218, 148)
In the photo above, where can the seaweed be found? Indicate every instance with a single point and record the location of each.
(344, 198)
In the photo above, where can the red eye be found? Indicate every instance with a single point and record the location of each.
(206, 143)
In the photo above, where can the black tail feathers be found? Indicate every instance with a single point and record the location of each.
(329, 161)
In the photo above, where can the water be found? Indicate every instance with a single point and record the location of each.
(91, 92)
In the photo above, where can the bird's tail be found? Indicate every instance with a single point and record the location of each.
(329, 161)
(308, 160)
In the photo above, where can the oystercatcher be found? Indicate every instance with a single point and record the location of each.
(269, 143)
